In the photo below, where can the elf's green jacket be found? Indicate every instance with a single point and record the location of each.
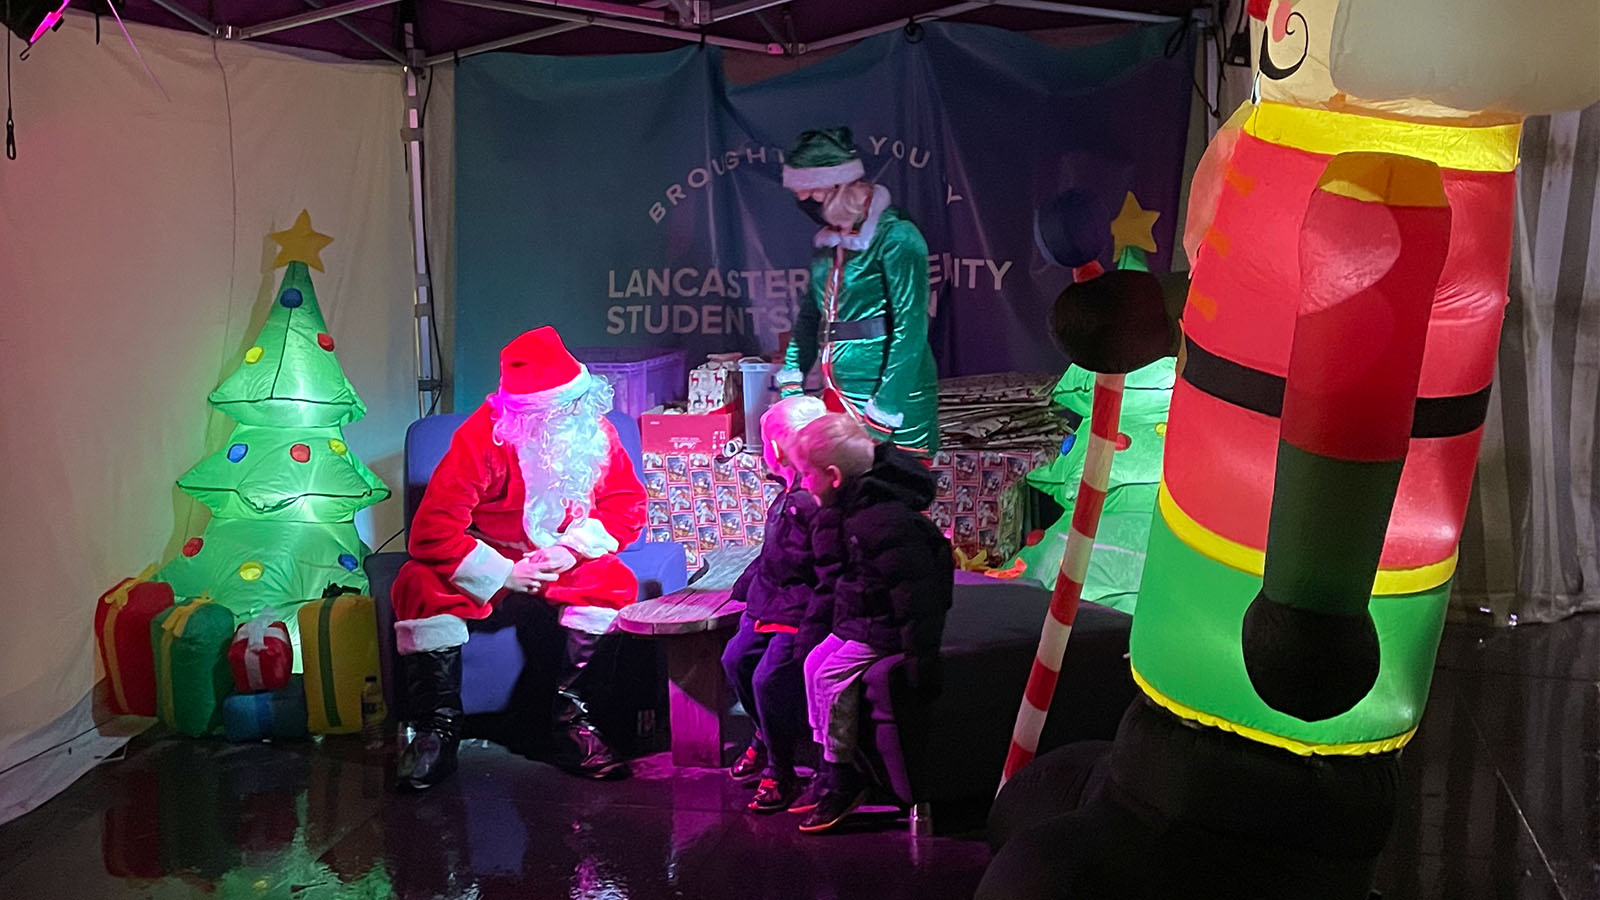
(870, 331)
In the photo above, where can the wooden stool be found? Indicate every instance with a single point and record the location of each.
(698, 624)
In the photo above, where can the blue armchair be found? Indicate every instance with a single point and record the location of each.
(496, 653)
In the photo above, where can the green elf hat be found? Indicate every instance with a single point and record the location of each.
(822, 158)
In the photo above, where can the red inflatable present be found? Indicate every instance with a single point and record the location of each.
(261, 656)
(122, 638)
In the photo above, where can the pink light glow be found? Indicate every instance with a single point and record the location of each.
(49, 22)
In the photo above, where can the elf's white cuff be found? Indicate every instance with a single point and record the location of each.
(430, 634)
(482, 573)
(882, 416)
(788, 376)
(589, 539)
(587, 619)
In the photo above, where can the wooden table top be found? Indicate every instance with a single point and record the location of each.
(684, 612)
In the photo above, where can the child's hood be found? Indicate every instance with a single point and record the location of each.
(898, 475)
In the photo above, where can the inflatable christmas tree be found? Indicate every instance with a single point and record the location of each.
(284, 490)
(1117, 564)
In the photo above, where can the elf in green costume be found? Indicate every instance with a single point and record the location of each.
(867, 319)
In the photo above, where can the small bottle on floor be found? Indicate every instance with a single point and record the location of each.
(372, 714)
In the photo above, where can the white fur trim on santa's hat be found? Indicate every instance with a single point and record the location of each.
(589, 539)
(430, 634)
(561, 393)
(482, 573)
(823, 176)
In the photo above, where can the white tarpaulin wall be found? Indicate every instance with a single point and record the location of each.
(134, 267)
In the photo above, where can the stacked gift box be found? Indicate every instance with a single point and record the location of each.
(979, 501)
(706, 502)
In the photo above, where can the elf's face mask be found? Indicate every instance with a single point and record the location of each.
(812, 209)
(841, 207)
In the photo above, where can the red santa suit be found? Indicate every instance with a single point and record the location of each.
(476, 521)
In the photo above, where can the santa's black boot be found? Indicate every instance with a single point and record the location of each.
(433, 697)
(580, 749)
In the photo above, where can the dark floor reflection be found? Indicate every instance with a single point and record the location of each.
(1502, 782)
(1502, 801)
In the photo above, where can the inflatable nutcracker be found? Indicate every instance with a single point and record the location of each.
(1352, 236)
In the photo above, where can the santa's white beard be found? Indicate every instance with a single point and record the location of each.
(562, 454)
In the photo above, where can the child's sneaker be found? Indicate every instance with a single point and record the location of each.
(751, 762)
(774, 793)
(832, 809)
(807, 801)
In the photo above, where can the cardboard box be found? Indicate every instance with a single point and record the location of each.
(682, 434)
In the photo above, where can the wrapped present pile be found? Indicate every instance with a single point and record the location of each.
(993, 431)
(979, 502)
(706, 493)
(705, 501)
(191, 664)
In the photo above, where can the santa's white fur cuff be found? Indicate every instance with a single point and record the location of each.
(483, 573)
(430, 634)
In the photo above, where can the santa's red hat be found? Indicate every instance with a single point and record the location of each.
(537, 362)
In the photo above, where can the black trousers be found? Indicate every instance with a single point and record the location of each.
(766, 671)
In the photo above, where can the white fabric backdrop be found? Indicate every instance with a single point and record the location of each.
(134, 268)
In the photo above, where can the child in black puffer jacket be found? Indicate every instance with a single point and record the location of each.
(885, 577)
(763, 660)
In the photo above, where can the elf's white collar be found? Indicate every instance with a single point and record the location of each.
(833, 237)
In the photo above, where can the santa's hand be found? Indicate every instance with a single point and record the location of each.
(529, 576)
(554, 558)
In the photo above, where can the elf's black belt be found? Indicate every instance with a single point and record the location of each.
(854, 330)
(1262, 392)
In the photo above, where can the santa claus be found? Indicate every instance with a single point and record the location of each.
(535, 496)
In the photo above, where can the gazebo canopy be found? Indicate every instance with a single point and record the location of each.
(448, 29)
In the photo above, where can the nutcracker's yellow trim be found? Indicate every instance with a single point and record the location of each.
(1389, 582)
(1385, 178)
(1491, 148)
(1300, 748)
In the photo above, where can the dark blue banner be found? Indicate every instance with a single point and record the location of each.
(637, 201)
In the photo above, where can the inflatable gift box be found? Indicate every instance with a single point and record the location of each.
(190, 645)
(261, 656)
(122, 638)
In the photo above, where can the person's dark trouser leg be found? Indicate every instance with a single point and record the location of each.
(581, 749)
(739, 661)
(780, 699)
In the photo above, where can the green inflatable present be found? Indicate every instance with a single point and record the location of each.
(190, 644)
(285, 488)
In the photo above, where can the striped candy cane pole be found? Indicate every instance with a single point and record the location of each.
(1105, 411)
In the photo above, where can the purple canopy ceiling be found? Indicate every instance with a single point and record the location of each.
(445, 27)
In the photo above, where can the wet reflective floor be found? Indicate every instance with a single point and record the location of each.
(1502, 782)
(1502, 801)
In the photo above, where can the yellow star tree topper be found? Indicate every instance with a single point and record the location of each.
(1133, 227)
(302, 244)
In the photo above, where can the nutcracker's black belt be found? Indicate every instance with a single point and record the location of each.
(855, 330)
(1262, 392)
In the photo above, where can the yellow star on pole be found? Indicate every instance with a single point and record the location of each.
(1132, 227)
(301, 244)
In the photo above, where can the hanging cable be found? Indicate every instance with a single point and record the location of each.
(11, 126)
